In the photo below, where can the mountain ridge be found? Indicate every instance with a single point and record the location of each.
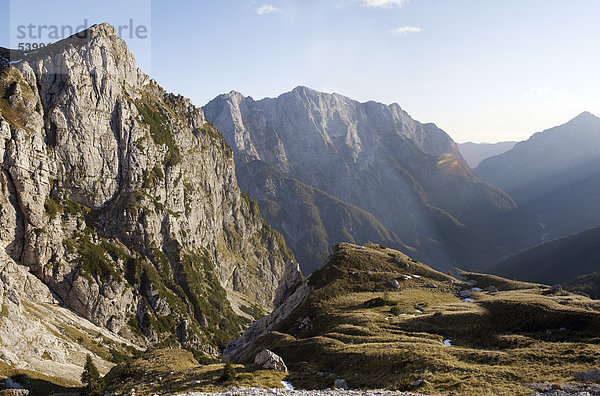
(555, 156)
(122, 199)
(370, 155)
(557, 261)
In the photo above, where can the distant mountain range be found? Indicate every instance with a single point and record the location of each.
(554, 177)
(547, 161)
(344, 155)
(474, 153)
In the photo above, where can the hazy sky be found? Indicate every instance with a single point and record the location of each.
(482, 70)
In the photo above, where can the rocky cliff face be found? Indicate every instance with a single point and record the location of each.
(409, 175)
(123, 199)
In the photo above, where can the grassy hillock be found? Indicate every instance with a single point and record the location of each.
(173, 371)
(378, 319)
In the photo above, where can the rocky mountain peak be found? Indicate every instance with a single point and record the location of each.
(123, 200)
(370, 155)
(585, 118)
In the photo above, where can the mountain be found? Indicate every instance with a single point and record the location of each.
(474, 153)
(547, 161)
(557, 261)
(122, 200)
(378, 319)
(407, 175)
(554, 177)
(311, 220)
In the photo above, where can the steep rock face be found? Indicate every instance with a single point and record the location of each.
(123, 199)
(39, 336)
(409, 175)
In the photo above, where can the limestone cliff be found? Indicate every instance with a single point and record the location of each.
(408, 175)
(123, 200)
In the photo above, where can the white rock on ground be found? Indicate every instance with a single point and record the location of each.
(269, 360)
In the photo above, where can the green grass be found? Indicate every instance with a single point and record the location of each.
(51, 207)
(17, 113)
(160, 129)
(95, 260)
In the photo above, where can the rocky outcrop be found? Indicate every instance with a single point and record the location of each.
(592, 375)
(269, 360)
(409, 176)
(38, 335)
(237, 348)
(123, 199)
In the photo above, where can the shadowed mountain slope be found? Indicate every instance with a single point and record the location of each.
(409, 176)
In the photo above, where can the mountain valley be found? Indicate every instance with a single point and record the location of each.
(170, 245)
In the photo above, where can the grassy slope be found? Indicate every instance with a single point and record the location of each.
(501, 342)
(588, 283)
(173, 371)
(555, 261)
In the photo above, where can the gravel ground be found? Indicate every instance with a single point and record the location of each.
(289, 392)
(548, 389)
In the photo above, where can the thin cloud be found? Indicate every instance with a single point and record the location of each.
(383, 3)
(538, 92)
(267, 9)
(404, 31)
(550, 93)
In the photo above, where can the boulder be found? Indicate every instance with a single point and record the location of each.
(340, 384)
(270, 361)
(395, 284)
(9, 383)
(471, 283)
(491, 289)
(555, 289)
(590, 376)
(465, 293)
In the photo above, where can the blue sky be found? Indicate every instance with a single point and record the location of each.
(481, 70)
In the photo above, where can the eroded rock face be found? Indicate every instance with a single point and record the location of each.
(123, 199)
(408, 175)
(38, 335)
